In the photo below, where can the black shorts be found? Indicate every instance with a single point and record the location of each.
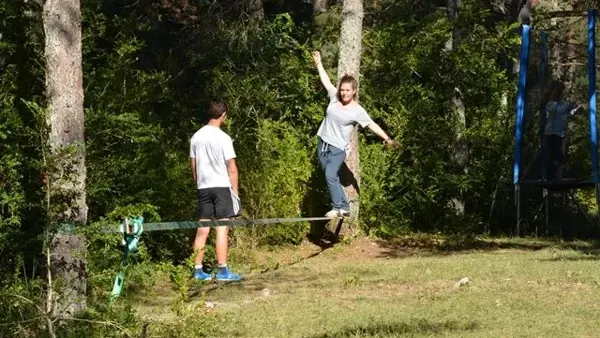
(218, 203)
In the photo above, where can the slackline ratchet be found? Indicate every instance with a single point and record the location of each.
(132, 229)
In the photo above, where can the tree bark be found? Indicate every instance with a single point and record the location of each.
(525, 11)
(349, 63)
(319, 6)
(64, 92)
(571, 52)
(256, 10)
(460, 154)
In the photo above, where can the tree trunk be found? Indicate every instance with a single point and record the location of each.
(452, 13)
(459, 156)
(64, 91)
(349, 63)
(256, 10)
(525, 11)
(319, 6)
(571, 57)
(557, 56)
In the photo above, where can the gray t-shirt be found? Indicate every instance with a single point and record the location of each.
(339, 122)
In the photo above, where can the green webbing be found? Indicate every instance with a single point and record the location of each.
(132, 230)
(235, 222)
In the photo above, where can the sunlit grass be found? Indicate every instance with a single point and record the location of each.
(516, 289)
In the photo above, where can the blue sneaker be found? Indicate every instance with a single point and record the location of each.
(227, 275)
(199, 274)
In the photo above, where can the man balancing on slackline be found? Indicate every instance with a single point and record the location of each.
(212, 159)
(342, 114)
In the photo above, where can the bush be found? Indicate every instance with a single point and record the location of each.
(274, 181)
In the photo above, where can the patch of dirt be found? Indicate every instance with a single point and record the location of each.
(270, 260)
(362, 248)
(356, 249)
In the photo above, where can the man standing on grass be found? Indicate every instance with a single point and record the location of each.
(212, 159)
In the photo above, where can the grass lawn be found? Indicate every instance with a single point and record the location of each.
(381, 289)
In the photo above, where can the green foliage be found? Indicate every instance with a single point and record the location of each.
(150, 69)
(11, 191)
(282, 166)
(274, 113)
(191, 324)
(20, 306)
(12, 199)
(407, 73)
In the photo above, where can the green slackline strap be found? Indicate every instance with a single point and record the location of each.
(235, 222)
(132, 230)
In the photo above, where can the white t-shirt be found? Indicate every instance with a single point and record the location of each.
(339, 122)
(212, 148)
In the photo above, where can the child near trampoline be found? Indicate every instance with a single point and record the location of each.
(557, 112)
(342, 114)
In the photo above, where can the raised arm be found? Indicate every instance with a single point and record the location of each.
(322, 73)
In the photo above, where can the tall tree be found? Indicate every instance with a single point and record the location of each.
(459, 156)
(524, 11)
(66, 183)
(571, 57)
(256, 10)
(319, 6)
(349, 63)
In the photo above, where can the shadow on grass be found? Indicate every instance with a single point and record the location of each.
(324, 240)
(421, 326)
(572, 259)
(431, 246)
(260, 282)
(321, 235)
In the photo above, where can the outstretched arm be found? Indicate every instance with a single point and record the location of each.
(322, 73)
(364, 120)
(576, 109)
(376, 129)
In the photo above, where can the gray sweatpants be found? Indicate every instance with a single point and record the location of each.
(331, 159)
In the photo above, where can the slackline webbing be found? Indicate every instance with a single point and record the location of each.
(132, 229)
(234, 222)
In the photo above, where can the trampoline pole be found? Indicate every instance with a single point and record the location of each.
(598, 202)
(518, 204)
(521, 102)
(546, 206)
(592, 98)
(543, 72)
(524, 57)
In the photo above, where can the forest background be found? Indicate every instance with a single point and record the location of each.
(439, 76)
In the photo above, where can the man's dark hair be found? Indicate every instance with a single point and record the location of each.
(216, 109)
